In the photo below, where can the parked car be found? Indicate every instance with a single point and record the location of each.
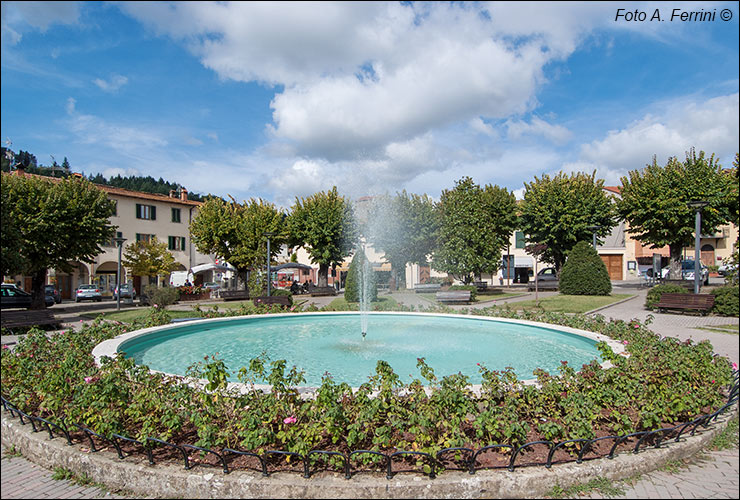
(212, 285)
(53, 292)
(687, 271)
(547, 274)
(88, 292)
(547, 278)
(127, 292)
(12, 296)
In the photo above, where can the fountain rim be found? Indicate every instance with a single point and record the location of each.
(109, 348)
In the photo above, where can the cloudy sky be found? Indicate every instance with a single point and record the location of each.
(278, 100)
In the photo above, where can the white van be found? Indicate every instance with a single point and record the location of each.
(178, 278)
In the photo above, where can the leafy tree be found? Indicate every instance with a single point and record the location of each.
(235, 232)
(149, 258)
(404, 229)
(655, 202)
(474, 226)
(361, 285)
(557, 212)
(584, 273)
(11, 259)
(60, 222)
(324, 224)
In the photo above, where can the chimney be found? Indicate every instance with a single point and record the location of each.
(183, 194)
(172, 193)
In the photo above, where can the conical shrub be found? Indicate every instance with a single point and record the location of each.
(354, 280)
(584, 273)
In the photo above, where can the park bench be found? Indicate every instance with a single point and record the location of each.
(481, 286)
(30, 317)
(320, 291)
(234, 294)
(454, 297)
(691, 301)
(427, 287)
(544, 285)
(283, 300)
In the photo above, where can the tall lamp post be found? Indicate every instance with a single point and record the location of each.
(593, 230)
(269, 277)
(697, 206)
(119, 242)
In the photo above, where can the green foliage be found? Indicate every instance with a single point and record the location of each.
(584, 273)
(324, 224)
(726, 301)
(474, 227)
(654, 294)
(161, 296)
(654, 202)
(471, 288)
(360, 285)
(235, 232)
(285, 293)
(557, 212)
(149, 258)
(61, 221)
(403, 228)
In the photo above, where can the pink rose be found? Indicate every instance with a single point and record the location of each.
(734, 365)
(5, 347)
(625, 342)
(88, 380)
(290, 420)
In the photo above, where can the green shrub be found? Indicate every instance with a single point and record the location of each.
(473, 289)
(161, 296)
(281, 292)
(726, 300)
(653, 296)
(354, 280)
(584, 273)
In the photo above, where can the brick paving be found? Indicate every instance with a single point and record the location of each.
(715, 474)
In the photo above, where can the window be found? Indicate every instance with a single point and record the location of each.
(175, 215)
(146, 212)
(176, 242)
(145, 237)
(520, 243)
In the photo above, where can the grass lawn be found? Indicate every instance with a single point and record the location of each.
(569, 303)
(130, 315)
(731, 329)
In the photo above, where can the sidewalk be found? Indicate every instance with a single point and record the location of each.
(714, 475)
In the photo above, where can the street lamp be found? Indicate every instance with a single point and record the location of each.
(269, 278)
(593, 230)
(119, 242)
(697, 206)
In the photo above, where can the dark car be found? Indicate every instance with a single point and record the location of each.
(127, 292)
(53, 292)
(547, 278)
(12, 296)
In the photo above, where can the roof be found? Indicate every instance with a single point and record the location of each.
(614, 189)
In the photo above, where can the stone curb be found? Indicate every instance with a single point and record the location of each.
(610, 305)
(135, 475)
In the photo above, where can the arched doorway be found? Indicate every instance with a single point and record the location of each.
(707, 255)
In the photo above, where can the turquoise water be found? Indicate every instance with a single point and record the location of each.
(333, 343)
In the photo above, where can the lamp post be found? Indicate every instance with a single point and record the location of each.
(697, 206)
(119, 242)
(593, 230)
(269, 278)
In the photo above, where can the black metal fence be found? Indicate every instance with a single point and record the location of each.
(468, 458)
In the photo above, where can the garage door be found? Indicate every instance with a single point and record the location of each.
(613, 265)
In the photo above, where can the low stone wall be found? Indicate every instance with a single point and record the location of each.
(135, 475)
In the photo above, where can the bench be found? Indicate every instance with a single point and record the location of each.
(544, 285)
(693, 301)
(283, 300)
(427, 287)
(320, 291)
(30, 317)
(234, 294)
(455, 297)
(481, 286)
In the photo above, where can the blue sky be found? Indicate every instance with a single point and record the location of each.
(278, 100)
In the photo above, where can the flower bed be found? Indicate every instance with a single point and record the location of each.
(662, 384)
(193, 292)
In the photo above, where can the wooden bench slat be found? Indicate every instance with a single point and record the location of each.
(690, 301)
(234, 294)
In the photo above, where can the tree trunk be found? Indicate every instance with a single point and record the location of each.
(323, 277)
(38, 289)
(675, 270)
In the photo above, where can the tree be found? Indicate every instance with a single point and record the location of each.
(655, 202)
(361, 285)
(558, 211)
(584, 273)
(236, 232)
(324, 224)
(403, 228)
(60, 222)
(149, 258)
(474, 226)
(11, 259)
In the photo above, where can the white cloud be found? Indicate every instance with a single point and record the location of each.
(554, 133)
(17, 17)
(114, 83)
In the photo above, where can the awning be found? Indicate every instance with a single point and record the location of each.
(522, 261)
(212, 267)
(291, 265)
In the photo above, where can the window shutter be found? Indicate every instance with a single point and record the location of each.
(171, 242)
(138, 236)
(182, 243)
(519, 239)
(138, 216)
(154, 212)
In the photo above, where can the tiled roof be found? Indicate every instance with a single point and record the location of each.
(613, 189)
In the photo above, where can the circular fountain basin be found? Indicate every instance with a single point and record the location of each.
(332, 343)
